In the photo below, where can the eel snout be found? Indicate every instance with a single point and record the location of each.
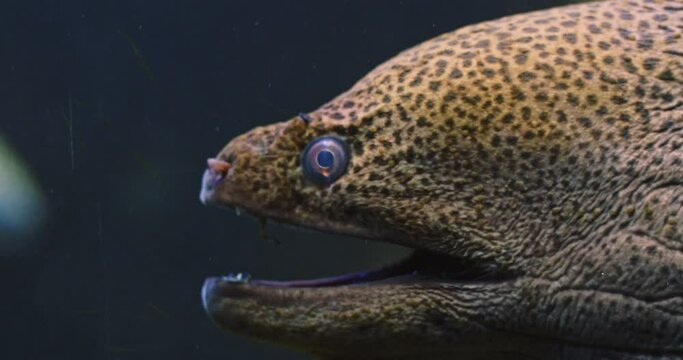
(215, 172)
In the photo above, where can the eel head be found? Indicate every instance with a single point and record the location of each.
(541, 195)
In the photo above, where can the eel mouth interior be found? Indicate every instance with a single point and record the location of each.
(420, 266)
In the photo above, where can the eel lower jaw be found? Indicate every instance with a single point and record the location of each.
(421, 268)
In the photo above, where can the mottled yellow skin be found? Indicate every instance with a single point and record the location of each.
(547, 144)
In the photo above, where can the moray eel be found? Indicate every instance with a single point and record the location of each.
(534, 163)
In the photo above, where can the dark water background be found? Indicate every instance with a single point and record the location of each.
(153, 88)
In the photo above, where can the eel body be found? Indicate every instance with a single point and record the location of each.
(534, 163)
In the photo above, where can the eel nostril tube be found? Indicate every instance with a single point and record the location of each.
(218, 169)
(218, 166)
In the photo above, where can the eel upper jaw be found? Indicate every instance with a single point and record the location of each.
(217, 177)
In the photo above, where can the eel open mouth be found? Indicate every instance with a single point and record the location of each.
(284, 311)
(420, 267)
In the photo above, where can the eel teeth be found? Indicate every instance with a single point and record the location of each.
(240, 278)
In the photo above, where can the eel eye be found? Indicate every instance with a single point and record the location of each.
(324, 160)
